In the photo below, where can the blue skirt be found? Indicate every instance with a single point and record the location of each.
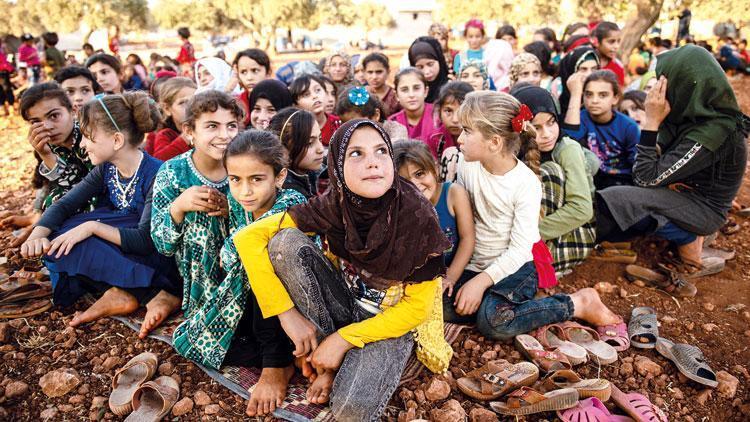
(102, 262)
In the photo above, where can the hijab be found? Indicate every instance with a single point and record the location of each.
(429, 48)
(568, 66)
(482, 70)
(498, 54)
(348, 79)
(645, 78)
(704, 108)
(538, 99)
(389, 240)
(220, 70)
(518, 65)
(272, 90)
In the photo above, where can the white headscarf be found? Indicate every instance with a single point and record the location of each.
(220, 70)
(498, 55)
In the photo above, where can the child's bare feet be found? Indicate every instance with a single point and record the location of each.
(270, 391)
(691, 252)
(320, 389)
(114, 301)
(305, 367)
(589, 307)
(157, 310)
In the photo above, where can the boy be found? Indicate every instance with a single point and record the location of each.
(27, 53)
(186, 57)
(53, 58)
(607, 38)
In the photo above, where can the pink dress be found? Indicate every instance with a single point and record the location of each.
(424, 129)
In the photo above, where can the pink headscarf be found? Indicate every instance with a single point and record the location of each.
(498, 55)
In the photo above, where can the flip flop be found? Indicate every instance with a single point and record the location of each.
(127, 380)
(24, 310)
(669, 282)
(599, 351)
(30, 290)
(154, 399)
(637, 406)
(595, 387)
(546, 360)
(689, 361)
(725, 254)
(550, 336)
(616, 335)
(526, 401)
(496, 378)
(643, 328)
(590, 410)
(708, 266)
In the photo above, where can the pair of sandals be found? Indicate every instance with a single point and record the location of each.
(149, 401)
(24, 294)
(578, 343)
(635, 405)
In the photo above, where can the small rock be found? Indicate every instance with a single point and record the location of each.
(16, 389)
(626, 369)
(709, 306)
(212, 409)
(480, 414)
(201, 398)
(56, 354)
(739, 369)
(489, 355)
(469, 344)
(76, 399)
(728, 384)
(16, 323)
(666, 319)
(639, 283)
(677, 393)
(450, 412)
(683, 379)
(166, 368)
(84, 389)
(59, 382)
(689, 325)
(646, 366)
(419, 396)
(65, 408)
(182, 407)
(605, 287)
(98, 402)
(736, 402)
(110, 363)
(48, 414)
(703, 396)
(623, 293)
(437, 390)
(747, 333)
(709, 327)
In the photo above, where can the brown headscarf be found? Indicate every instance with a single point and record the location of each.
(391, 239)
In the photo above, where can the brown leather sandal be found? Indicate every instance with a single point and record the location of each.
(546, 360)
(526, 401)
(496, 378)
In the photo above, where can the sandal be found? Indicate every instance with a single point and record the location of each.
(550, 336)
(689, 360)
(643, 328)
(590, 410)
(622, 256)
(154, 399)
(547, 361)
(669, 282)
(637, 406)
(526, 401)
(616, 245)
(596, 387)
(24, 310)
(30, 290)
(688, 270)
(588, 338)
(128, 378)
(730, 227)
(496, 378)
(616, 335)
(725, 254)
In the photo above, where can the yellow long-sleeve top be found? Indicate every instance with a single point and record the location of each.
(406, 307)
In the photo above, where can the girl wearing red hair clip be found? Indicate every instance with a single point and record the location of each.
(475, 38)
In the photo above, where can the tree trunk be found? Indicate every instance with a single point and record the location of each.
(647, 12)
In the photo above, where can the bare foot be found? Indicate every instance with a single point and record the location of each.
(157, 310)
(320, 389)
(305, 367)
(17, 221)
(589, 307)
(25, 233)
(691, 253)
(270, 391)
(114, 301)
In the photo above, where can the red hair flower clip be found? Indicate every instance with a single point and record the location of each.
(474, 23)
(524, 115)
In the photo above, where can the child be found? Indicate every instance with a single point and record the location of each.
(357, 103)
(527, 68)
(582, 60)
(88, 50)
(252, 66)
(332, 93)
(214, 73)
(426, 55)
(451, 97)
(567, 225)
(191, 215)
(79, 85)
(607, 37)
(53, 58)
(632, 105)
(186, 56)
(507, 33)
(229, 328)
(417, 115)
(377, 70)
(28, 54)
(139, 68)
(441, 33)
(174, 96)
(338, 67)
(498, 55)
(474, 35)
(7, 97)
(354, 323)
(268, 98)
(109, 250)
(611, 135)
(416, 164)
(474, 72)
(108, 72)
(308, 93)
(497, 288)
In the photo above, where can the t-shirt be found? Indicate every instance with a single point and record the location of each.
(614, 143)
(467, 55)
(618, 69)
(29, 55)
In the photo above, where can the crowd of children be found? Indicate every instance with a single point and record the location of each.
(330, 221)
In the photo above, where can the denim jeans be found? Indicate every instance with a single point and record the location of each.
(368, 376)
(508, 308)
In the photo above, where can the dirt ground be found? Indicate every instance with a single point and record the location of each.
(717, 320)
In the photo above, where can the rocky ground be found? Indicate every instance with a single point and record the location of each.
(51, 372)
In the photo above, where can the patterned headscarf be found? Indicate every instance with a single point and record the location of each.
(519, 63)
(349, 72)
(482, 69)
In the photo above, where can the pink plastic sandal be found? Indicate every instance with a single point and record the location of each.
(637, 406)
(616, 335)
(590, 410)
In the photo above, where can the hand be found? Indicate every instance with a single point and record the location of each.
(300, 330)
(219, 200)
(329, 355)
(35, 245)
(656, 105)
(197, 198)
(575, 83)
(448, 283)
(470, 295)
(39, 138)
(64, 243)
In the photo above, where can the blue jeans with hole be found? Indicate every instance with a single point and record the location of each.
(508, 308)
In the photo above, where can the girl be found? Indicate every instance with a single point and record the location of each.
(338, 67)
(525, 68)
(377, 70)
(252, 66)
(426, 55)
(582, 60)
(498, 56)
(357, 103)
(215, 73)
(444, 140)
(474, 35)
(474, 72)
(507, 33)
(109, 250)
(441, 33)
(299, 132)
(632, 105)
(417, 115)
(139, 67)
(497, 288)
(229, 328)
(108, 72)
(611, 135)
(308, 93)
(174, 95)
(567, 224)
(79, 85)
(416, 164)
(332, 93)
(386, 287)
(7, 98)
(268, 98)
(191, 216)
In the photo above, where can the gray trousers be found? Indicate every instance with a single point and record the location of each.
(368, 377)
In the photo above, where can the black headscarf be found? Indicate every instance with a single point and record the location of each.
(568, 66)
(429, 47)
(272, 90)
(539, 100)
